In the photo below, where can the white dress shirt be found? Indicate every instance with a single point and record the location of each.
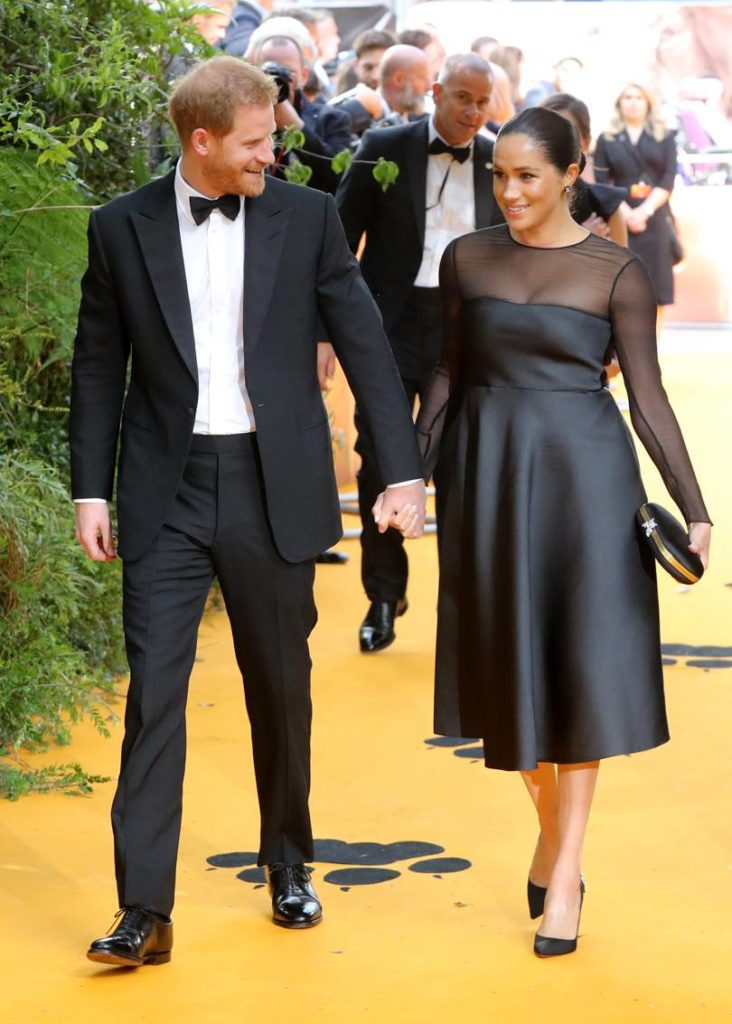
(213, 257)
(450, 217)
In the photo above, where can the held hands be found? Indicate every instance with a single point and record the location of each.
(700, 535)
(402, 508)
(94, 530)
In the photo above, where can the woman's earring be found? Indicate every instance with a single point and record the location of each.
(567, 189)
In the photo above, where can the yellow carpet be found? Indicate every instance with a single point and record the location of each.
(451, 942)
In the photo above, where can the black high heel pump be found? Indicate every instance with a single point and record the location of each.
(536, 895)
(546, 945)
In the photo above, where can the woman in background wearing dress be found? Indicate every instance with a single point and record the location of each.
(548, 641)
(597, 207)
(639, 154)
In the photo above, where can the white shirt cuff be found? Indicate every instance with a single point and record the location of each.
(405, 483)
(90, 501)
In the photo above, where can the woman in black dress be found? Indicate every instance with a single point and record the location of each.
(548, 637)
(600, 208)
(638, 154)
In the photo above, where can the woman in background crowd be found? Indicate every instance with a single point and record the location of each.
(639, 154)
(597, 207)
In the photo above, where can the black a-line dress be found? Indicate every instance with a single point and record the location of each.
(548, 633)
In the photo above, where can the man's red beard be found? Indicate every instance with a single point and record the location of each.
(239, 181)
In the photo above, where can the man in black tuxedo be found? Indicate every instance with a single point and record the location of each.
(210, 281)
(444, 189)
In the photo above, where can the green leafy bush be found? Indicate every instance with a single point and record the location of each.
(42, 257)
(83, 84)
(60, 633)
(83, 88)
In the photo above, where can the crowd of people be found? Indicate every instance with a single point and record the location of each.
(386, 78)
(547, 623)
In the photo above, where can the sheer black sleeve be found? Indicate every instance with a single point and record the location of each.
(431, 417)
(633, 319)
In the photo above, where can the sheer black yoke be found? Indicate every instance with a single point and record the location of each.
(548, 320)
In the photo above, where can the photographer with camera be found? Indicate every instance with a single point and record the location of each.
(326, 130)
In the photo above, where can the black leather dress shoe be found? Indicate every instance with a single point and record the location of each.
(331, 557)
(294, 903)
(140, 938)
(377, 629)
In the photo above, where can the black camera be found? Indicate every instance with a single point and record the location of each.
(282, 76)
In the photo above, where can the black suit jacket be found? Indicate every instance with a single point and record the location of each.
(134, 304)
(394, 221)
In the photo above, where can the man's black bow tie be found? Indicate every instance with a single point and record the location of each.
(459, 153)
(201, 208)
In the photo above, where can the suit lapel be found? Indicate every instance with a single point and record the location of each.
(264, 234)
(415, 167)
(483, 182)
(156, 226)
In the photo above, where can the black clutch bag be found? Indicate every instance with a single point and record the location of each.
(669, 542)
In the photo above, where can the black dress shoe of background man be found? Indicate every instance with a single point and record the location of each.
(140, 937)
(377, 629)
(331, 557)
(294, 903)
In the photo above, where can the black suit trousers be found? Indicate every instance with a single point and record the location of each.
(416, 342)
(217, 527)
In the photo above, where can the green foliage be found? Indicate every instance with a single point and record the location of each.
(83, 98)
(60, 633)
(17, 779)
(291, 138)
(42, 257)
(298, 173)
(83, 84)
(342, 161)
(385, 172)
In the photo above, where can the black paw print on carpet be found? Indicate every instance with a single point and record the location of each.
(366, 862)
(697, 657)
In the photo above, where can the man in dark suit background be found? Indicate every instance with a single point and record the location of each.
(404, 79)
(211, 282)
(444, 190)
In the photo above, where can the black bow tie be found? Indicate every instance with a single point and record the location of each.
(201, 208)
(459, 153)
